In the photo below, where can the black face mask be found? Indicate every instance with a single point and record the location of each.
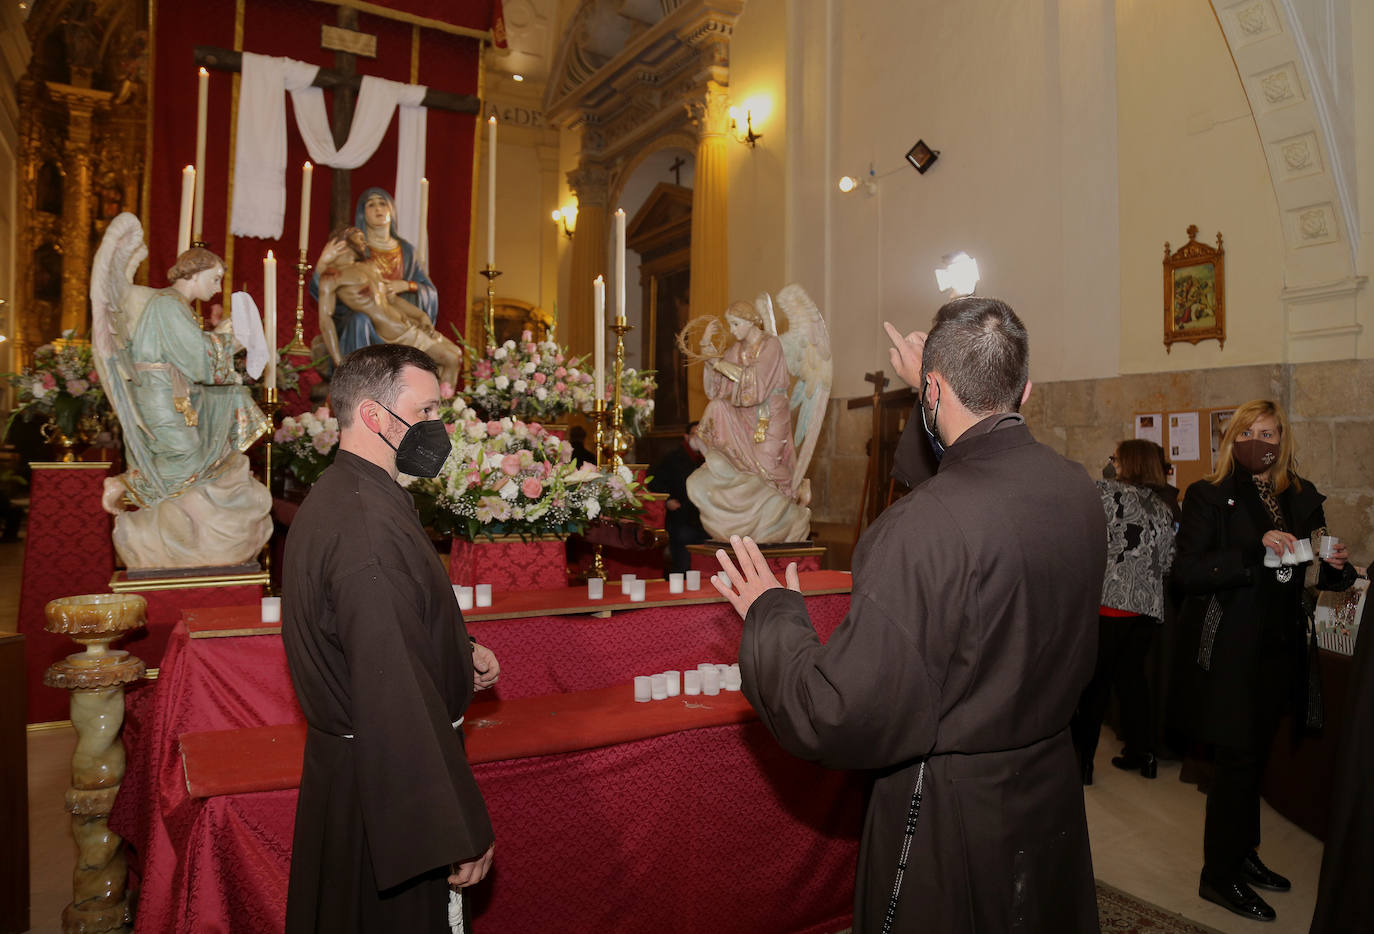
(932, 428)
(424, 448)
(1109, 471)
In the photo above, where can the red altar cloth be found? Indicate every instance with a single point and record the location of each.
(509, 565)
(191, 856)
(68, 552)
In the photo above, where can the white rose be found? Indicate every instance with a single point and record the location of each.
(502, 382)
(528, 368)
(624, 473)
(481, 390)
(520, 385)
(499, 353)
(510, 491)
(593, 508)
(508, 345)
(541, 393)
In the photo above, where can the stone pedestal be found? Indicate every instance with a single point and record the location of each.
(96, 679)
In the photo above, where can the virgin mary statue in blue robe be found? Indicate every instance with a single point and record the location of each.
(396, 261)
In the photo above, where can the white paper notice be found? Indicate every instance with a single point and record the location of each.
(1183, 437)
(1150, 428)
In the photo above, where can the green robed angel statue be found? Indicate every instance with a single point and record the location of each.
(187, 498)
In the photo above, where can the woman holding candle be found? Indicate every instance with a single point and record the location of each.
(394, 258)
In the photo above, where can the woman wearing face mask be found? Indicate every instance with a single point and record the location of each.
(1243, 639)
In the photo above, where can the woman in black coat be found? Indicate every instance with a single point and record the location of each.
(1243, 634)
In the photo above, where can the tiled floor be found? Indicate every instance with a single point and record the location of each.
(1146, 835)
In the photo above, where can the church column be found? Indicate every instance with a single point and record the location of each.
(710, 280)
(76, 200)
(589, 183)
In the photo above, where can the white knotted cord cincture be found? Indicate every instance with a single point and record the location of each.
(455, 911)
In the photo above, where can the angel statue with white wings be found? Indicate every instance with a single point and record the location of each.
(186, 498)
(758, 437)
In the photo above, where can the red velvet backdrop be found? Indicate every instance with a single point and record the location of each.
(292, 28)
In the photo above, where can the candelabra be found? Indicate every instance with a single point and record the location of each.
(297, 347)
(598, 415)
(619, 440)
(270, 405)
(491, 272)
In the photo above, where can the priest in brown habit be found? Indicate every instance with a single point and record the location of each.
(971, 634)
(390, 818)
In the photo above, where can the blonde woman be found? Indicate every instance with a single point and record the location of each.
(1242, 639)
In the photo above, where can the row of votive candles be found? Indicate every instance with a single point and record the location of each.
(468, 597)
(708, 678)
(633, 588)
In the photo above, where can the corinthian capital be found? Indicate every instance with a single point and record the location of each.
(590, 181)
(709, 110)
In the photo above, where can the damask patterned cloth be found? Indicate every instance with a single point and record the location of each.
(666, 818)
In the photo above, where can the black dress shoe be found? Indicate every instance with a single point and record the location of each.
(1147, 764)
(1237, 897)
(1261, 876)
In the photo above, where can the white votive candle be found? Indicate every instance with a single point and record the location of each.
(643, 689)
(710, 682)
(693, 580)
(706, 666)
(732, 678)
(464, 597)
(271, 609)
(626, 583)
(596, 588)
(675, 582)
(483, 592)
(636, 591)
(674, 679)
(658, 687)
(1328, 545)
(691, 682)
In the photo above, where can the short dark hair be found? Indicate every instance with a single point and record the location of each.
(577, 434)
(1140, 462)
(980, 347)
(373, 372)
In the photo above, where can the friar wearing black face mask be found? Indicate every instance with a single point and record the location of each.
(389, 814)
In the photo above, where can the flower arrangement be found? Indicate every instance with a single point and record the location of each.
(636, 399)
(509, 477)
(308, 442)
(61, 384)
(529, 380)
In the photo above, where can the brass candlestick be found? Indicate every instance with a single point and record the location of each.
(619, 440)
(297, 346)
(491, 272)
(598, 415)
(270, 405)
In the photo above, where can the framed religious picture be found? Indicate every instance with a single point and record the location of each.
(1194, 292)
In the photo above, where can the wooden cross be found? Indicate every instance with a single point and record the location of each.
(676, 169)
(871, 501)
(345, 82)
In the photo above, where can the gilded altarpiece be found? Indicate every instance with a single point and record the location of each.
(83, 146)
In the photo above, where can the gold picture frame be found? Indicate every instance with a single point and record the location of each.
(1194, 292)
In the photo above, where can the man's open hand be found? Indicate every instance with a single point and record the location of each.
(753, 576)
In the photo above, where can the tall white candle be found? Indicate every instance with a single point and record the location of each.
(269, 317)
(491, 191)
(307, 176)
(202, 98)
(423, 246)
(188, 186)
(620, 266)
(599, 331)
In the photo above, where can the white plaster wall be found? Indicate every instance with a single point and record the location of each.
(1019, 97)
(1362, 34)
(1189, 153)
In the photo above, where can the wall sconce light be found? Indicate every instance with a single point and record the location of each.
(849, 183)
(566, 218)
(748, 137)
(921, 156)
(959, 275)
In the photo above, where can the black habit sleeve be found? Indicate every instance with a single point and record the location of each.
(834, 703)
(413, 778)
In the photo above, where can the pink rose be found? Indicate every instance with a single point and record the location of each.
(450, 428)
(446, 391)
(540, 378)
(493, 429)
(93, 377)
(560, 372)
(532, 488)
(560, 386)
(474, 477)
(49, 381)
(527, 335)
(482, 370)
(510, 464)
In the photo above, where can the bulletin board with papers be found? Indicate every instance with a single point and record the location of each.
(1190, 438)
